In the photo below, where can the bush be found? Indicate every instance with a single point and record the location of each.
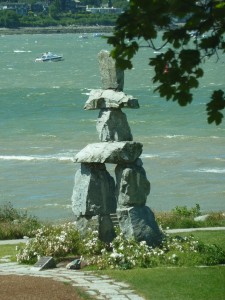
(175, 251)
(9, 213)
(16, 223)
(63, 240)
(183, 217)
(52, 240)
(183, 211)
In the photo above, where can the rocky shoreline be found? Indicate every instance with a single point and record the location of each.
(56, 29)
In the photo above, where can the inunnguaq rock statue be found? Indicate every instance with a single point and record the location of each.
(96, 196)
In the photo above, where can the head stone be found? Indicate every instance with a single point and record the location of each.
(112, 77)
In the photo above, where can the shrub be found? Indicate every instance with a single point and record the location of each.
(16, 223)
(175, 251)
(52, 240)
(183, 211)
(9, 213)
(61, 241)
(183, 217)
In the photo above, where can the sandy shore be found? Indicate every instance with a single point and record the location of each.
(56, 29)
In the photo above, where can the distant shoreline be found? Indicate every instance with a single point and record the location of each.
(56, 29)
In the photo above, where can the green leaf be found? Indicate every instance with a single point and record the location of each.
(147, 19)
(214, 106)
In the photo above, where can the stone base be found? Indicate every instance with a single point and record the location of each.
(102, 224)
(139, 223)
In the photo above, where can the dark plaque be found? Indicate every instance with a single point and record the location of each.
(45, 262)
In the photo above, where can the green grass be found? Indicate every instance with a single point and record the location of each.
(6, 250)
(175, 283)
(208, 237)
(178, 283)
(177, 219)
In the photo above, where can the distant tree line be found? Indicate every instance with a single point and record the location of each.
(59, 12)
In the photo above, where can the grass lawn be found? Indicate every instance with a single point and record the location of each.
(206, 283)
(209, 237)
(170, 283)
(6, 250)
(185, 283)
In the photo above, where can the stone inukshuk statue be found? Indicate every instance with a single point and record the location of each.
(95, 195)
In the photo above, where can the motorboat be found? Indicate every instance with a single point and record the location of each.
(49, 56)
(83, 36)
(97, 34)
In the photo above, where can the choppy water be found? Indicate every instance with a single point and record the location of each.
(43, 124)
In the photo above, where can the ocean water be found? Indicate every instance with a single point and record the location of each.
(43, 125)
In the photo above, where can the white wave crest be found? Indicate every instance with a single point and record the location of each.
(174, 136)
(220, 159)
(36, 157)
(208, 170)
(149, 155)
(61, 205)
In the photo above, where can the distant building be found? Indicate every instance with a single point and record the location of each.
(20, 8)
(104, 10)
(79, 6)
(39, 7)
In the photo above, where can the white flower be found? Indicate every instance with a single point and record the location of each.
(116, 255)
(142, 243)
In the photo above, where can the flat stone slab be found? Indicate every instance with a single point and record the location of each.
(45, 262)
(109, 152)
(110, 99)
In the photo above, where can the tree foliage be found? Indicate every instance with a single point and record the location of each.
(9, 18)
(193, 31)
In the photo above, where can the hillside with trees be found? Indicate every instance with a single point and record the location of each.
(30, 13)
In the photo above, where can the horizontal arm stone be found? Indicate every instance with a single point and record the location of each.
(110, 99)
(109, 152)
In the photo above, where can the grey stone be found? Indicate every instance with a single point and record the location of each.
(112, 125)
(139, 223)
(102, 224)
(112, 77)
(132, 186)
(109, 99)
(106, 229)
(74, 265)
(94, 191)
(110, 152)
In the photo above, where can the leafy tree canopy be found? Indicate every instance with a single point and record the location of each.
(178, 69)
(9, 18)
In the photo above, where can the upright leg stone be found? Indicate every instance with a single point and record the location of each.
(132, 186)
(94, 191)
(139, 222)
(100, 223)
